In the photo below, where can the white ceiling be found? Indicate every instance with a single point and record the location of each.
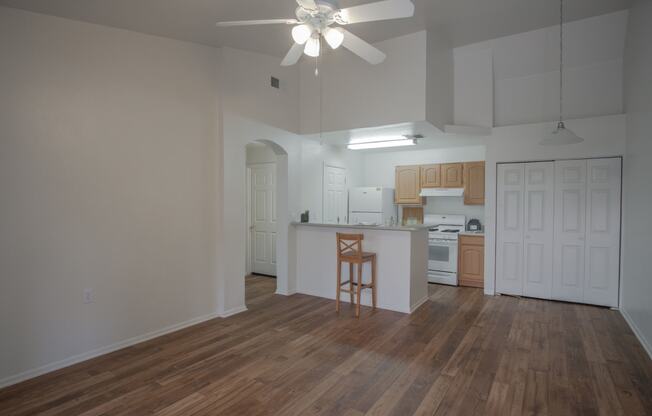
(461, 21)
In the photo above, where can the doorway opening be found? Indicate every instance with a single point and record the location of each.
(262, 224)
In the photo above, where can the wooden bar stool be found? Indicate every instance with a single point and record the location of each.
(349, 250)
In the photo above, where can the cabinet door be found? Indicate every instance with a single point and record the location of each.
(473, 183)
(570, 231)
(408, 185)
(509, 229)
(451, 175)
(602, 254)
(431, 176)
(471, 261)
(539, 229)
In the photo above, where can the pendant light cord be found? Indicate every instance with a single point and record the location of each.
(561, 60)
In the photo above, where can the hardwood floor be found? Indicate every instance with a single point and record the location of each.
(462, 353)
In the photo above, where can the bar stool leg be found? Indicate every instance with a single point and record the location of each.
(358, 290)
(373, 282)
(351, 283)
(339, 286)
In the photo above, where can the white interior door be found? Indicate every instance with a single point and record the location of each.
(509, 227)
(335, 195)
(539, 229)
(602, 271)
(263, 218)
(570, 231)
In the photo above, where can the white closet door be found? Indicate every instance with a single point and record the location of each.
(570, 231)
(539, 229)
(509, 224)
(602, 269)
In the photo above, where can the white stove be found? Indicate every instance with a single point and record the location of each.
(443, 237)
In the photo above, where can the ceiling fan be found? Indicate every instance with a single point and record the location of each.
(314, 21)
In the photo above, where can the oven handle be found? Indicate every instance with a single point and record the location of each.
(442, 242)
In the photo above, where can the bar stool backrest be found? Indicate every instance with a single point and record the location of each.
(349, 245)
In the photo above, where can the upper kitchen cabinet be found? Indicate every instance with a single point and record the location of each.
(474, 183)
(451, 175)
(431, 176)
(408, 185)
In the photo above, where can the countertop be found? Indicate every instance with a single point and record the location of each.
(409, 228)
(473, 233)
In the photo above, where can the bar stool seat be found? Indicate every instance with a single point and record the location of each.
(349, 250)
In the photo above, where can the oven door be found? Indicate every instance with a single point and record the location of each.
(442, 255)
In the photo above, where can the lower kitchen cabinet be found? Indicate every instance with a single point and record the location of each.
(471, 261)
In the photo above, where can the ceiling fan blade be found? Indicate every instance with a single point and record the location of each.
(293, 55)
(382, 10)
(362, 48)
(308, 4)
(257, 22)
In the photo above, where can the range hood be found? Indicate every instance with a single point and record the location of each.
(442, 192)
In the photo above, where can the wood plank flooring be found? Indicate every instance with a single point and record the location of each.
(462, 353)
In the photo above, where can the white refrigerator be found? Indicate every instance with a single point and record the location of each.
(372, 206)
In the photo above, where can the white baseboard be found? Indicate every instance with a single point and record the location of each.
(418, 304)
(284, 293)
(637, 332)
(233, 311)
(75, 359)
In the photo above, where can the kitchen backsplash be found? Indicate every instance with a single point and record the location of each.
(454, 205)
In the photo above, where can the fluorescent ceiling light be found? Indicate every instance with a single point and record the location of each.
(377, 139)
(382, 144)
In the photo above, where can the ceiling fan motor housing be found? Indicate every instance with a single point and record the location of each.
(326, 14)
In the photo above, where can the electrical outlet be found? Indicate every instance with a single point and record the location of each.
(88, 296)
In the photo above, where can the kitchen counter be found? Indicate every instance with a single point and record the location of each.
(402, 260)
(475, 233)
(416, 227)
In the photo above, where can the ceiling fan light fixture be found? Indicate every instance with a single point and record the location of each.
(301, 34)
(334, 37)
(313, 47)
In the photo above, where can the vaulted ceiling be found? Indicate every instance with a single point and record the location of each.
(461, 21)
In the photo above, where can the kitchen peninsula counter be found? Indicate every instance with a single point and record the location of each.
(402, 256)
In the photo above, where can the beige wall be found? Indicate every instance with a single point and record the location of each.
(108, 166)
(636, 279)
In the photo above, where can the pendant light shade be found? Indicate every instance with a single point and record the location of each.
(561, 135)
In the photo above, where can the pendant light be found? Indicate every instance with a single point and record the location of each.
(561, 135)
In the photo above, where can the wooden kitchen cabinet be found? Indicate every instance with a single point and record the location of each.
(452, 175)
(408, 185)
(471, 261)
(431, 176)
(474, 183)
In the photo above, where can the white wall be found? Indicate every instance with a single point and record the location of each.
(108, 151)
(259, 153)
(603, 136)
(313, 158)
(356, 94)
(526, 72)
(637, 281)
(248, 92)
(440, 78)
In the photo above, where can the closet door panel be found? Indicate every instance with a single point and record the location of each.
(570, 230)
(602, 272)
(538, 229)
(509, 250)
